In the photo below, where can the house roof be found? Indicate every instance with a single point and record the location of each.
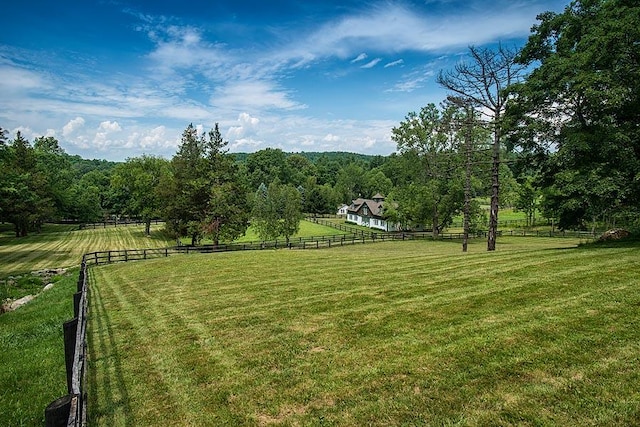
(374, 206)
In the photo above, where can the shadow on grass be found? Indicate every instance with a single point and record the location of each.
(114, 397)
(632, 241)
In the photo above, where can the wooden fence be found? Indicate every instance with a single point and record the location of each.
(117, 223)
(70, 410)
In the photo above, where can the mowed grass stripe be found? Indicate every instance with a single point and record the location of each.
(65, 246)
(282, 337)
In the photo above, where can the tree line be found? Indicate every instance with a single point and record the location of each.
(551, 128)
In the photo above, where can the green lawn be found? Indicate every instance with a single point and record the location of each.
(307, 229)
(32, 356)
(63, 246)
(540, 332)
(32, 372)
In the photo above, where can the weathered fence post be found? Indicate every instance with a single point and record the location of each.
(76, 303)
(57, 413)
(70, 328)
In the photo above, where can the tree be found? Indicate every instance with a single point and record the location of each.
(277, 211)
(137, 181)
(227, 212)
(350, 183)
(53, 163)
(579, 109)
(204, 194)
(375, 181)
(429, 145)
(25, 195)
(266, 165)
(186, 195)
(527, 200)
(482, 83)
(3, 136)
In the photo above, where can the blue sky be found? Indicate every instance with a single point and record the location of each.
(116, 79)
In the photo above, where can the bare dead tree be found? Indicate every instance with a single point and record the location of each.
(482, 82)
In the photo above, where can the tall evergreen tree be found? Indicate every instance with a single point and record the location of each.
(206, 196)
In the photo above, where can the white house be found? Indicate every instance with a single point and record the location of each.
(342, 210)
(369, 213)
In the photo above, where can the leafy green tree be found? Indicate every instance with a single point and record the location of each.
(350, 183)
(319, 199)
(580, 107)
(84, 203)
(266, 165)
(527, 200)
(137, 181)
(97, 182)
(277, 211)
(375, 181)
(300, 168)
(430, 146)
(25, 198)
(3, 136)
(53, 163)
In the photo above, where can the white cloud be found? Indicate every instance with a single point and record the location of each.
(413, 80)
(72, 126)
(253, 95)
(247, 126)
(372, 63)
(359, 58)
(109, 127)
(17, 80)
(153, 138)
(331, 138)
(394, 63)
(391, 28)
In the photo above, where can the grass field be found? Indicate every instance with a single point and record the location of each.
(63, 245)
(307, 229)
(541, 332)
(32, 372)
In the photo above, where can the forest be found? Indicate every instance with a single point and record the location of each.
(551, 129)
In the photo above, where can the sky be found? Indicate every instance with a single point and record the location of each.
(118, 79)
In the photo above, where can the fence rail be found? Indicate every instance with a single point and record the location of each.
(117, 223)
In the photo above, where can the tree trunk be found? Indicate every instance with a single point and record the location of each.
(495, 189)
(467, 182)
(147, 226)
(435, 227)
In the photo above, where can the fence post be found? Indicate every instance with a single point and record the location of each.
(58, 411)
(76, 303)
(70, 327)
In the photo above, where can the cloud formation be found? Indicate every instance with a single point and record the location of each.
(294, 87)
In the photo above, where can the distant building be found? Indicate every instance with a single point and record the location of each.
(369, 213)
(342, 211)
